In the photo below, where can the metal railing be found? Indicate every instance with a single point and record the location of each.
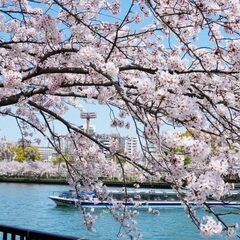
(14, 233)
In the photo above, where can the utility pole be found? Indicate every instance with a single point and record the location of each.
(88, 116)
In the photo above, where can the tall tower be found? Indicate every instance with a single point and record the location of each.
(88, 116)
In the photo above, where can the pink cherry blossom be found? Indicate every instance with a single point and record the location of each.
(211, 227)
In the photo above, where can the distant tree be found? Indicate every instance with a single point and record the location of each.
(58, 159)
(21, 154)
(32, 153)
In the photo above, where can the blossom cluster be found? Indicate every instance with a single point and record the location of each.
(31, 169)
(211, 227)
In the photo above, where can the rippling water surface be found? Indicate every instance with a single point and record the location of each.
(28, 206)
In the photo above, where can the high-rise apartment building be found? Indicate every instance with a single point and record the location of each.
(130, 145)
(127, 145)
(105, 140)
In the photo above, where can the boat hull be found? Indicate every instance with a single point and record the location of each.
(86, 203)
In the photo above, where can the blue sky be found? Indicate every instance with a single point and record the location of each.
(8, 126)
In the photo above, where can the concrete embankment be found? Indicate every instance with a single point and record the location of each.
(62, 181)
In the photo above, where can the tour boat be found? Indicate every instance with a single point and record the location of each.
(135, 198)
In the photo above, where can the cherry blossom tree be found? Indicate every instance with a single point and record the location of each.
(163, 63)
(30, 169)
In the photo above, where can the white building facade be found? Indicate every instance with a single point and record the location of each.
(131, 145)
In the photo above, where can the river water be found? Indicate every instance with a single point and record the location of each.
(28, 206)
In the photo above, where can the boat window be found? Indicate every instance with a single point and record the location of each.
(146, 196)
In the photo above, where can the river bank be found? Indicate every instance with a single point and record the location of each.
(37, 180)
(62, 181)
